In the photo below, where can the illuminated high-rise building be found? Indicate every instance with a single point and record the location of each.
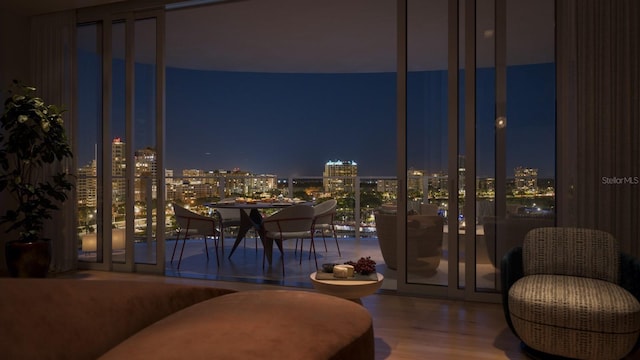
(526, 179)
(145, 174)
(461, 175)
(87, 185)
(339, 176)
(118, 169)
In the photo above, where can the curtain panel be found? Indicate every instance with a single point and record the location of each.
(52, 53)
(599, 117)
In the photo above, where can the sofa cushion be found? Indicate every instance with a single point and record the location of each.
(259, 324)
(81, 319)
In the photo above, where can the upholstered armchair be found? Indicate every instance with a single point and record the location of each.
(570, 292)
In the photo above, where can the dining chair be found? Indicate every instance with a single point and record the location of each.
(323, 217)
(192, 224)
(293, 222)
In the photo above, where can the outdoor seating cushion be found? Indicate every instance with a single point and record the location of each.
(575, 316)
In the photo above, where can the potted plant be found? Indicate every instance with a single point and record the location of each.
(32, 138)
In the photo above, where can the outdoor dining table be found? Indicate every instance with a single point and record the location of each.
(246, 222)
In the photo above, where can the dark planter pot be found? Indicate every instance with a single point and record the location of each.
(30, 259)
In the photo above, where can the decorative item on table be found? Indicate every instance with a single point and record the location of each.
(328, 267)
(364, 266)
(343, 271)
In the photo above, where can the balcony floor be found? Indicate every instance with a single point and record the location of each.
(246, 264)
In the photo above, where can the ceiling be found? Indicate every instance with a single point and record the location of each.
(343, 36)
(328, 36)
(35, 7)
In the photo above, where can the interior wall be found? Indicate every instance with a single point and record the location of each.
(14, 40)
(14, 64)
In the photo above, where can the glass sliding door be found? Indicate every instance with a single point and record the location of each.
(484, 181)
(427, 145)
(530, 123)
(144, 141)
(117, 134)
(89, 184)
(121, 118)
(480, 120)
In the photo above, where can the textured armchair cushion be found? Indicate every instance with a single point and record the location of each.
(574, 316)
(571, 251)
(575, 302)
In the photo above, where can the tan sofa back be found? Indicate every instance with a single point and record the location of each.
(83, 319)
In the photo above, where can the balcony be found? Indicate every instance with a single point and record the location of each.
(356, 206)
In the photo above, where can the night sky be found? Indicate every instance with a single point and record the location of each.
(292, 124)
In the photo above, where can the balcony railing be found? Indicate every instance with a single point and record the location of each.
(358, 197)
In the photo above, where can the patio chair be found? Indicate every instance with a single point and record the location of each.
(424, 241)
(293, 222)
(192, 224)
(324, 214)
(502, 234)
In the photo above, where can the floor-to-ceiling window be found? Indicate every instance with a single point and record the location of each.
(427, 143)
(293, 105)
(89, 114)
(480, 123)
(119, 116)
(273, 109)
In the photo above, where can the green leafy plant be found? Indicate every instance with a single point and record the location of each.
(32, 136)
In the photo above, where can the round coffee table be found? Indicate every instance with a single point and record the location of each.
(347, 289)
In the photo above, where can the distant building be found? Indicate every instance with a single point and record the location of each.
(339, 176)
(526, 180)
(197, 183)
(145, 173)
(118, 170)
(438, 185)
(388, 188)
(87, 185)
(415, 183)
(486, 187)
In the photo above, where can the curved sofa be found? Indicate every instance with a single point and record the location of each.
(108, 319)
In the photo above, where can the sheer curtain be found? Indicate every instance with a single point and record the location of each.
(599, 117)
(52, 52)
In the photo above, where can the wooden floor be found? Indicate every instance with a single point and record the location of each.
(405, 327)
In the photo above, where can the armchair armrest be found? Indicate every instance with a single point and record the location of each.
(511, 270)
